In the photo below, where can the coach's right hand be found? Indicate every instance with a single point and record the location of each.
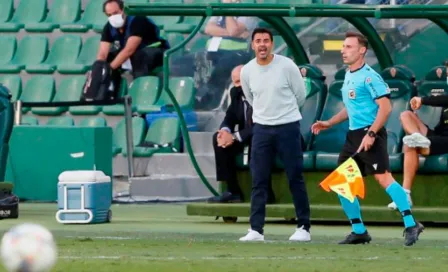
(319, 126)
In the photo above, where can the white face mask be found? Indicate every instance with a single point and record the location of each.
(116, 20)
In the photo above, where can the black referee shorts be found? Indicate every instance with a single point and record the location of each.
(375, 160)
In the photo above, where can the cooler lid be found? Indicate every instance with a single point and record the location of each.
(83, 176)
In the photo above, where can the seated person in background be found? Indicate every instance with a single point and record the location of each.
(421, 140)
(227, 47)
(130, 42)
(228, 143)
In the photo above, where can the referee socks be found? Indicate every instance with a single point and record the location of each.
(400, 198)
(353, 212)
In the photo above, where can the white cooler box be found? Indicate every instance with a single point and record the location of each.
(84, 197)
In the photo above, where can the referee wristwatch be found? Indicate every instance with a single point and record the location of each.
(371, 133)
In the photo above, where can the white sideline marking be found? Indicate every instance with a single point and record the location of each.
(375, 258)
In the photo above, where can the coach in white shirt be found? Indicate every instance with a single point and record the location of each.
(274, 87)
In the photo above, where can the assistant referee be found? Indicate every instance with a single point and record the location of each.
(274, 87)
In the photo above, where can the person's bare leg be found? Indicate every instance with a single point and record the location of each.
(412, 124)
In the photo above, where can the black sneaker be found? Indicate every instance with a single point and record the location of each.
(411, 234)
(354, 239)
(226, 197)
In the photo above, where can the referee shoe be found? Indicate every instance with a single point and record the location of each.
(354, 239)
(411, 234)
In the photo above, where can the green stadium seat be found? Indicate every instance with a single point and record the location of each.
(28, 11)
(8, 46)
(189, 22)
(198, 44)
(14, 85)
(162, 131)
(38, 89)
(119, 135)
(61, 121)
(162, 21)
(144, 92)
(93, 122)
(65, 50)
(165, 21)
(85, 59)
(434, 83)
(327, 154)
(6, 11)
(183, 90)
(312, 109)
(31, 50)
(29, 121)
(401, 84)
(175, 39)
(92, 18)
(69, 89)
(61, 12)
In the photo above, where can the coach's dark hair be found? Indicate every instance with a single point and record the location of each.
(263, 31)
(362, 40)
(119, 3)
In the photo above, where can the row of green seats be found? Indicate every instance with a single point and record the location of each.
(162, 131)
(146, 93)
(68, 54)
(68, 16)
(321, 104)
(35, 16)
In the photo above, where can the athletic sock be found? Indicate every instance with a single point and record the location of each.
(399, 196)
(353, 212)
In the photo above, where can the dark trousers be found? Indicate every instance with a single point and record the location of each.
(267, 142)
(143, 61)
(226, 169)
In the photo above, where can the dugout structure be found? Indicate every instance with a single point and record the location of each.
(430, 190)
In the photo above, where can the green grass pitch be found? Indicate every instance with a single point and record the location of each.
(163, 238)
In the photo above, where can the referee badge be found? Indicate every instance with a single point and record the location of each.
(352, 94)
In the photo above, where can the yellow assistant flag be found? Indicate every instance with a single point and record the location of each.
(346, 181)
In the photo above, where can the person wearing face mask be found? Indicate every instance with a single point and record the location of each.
(130, 42)
(228, 143)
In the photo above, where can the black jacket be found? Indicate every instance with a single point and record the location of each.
(439, 101)
(235, 115)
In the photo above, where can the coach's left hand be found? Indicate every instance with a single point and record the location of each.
(366, 143)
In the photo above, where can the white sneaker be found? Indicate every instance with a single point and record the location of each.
(416, 140)
(393, 206)
(252, 235)
(300, 235)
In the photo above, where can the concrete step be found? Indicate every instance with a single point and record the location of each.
(170, 187)
(201, 142)
(179, 164)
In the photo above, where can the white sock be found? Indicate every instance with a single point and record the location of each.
(407, 191)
